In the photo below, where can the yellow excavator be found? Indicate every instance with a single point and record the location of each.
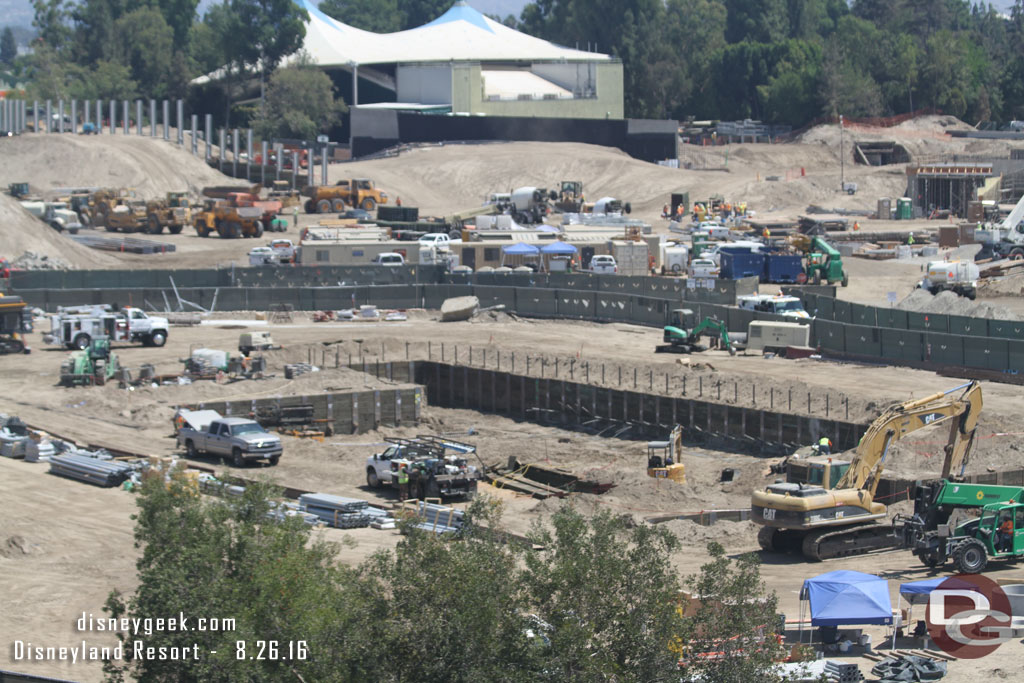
(824, 523)
(663, 457)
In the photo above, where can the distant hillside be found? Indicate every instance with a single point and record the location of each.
(17, 14)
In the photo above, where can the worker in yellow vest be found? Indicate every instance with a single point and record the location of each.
(403, 482)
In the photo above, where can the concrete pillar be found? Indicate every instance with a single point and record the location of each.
(74, 116)
(234, 153)
(5, 106)
(138, 116)
(99, 116)
(209, 136)
(220, 156)
(85, 116)
(126, 122)
(295, 170)
(248, 152)
(181, 122)
(167, 120)
(311, 166)
(323, 166)
(60, 114)
(152, 118)
(264, 159)
(35, 115)
(49, 116)
(278, 159)
(113, 117)
(195, 143)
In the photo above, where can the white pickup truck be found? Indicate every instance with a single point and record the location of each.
(437, 467)
(603, 263)
(233, 438)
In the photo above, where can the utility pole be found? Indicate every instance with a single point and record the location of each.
(842, 158)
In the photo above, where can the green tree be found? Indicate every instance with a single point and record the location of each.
(608, 593)
(226, 559)
(379, 16)
(146, 47)
(47, 74)
(736, 617)
(106, 81)
(300, 103)
(267, 31)
(8, 47)
(50, 22)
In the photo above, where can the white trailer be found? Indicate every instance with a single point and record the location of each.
(960, 277)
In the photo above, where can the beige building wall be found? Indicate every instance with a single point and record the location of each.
(468, 97)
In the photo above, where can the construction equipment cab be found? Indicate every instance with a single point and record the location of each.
(663, 457)
(13, 314)
(824, 523)
(788, 306)
(683, 333)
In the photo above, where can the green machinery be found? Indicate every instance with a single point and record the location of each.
(18, 190)
(683, 333)
(998, 533)
(93, 365)
(823, 262)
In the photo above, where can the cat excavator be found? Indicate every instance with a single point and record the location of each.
(683, 334)
(825, 522)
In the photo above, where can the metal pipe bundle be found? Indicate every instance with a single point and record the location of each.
(440, 515)
(91, 470)
(330, 502)
(339, 520)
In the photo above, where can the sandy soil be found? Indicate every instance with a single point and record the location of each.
(59, 564)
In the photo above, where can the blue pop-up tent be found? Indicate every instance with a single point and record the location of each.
(558, 248)
(847, 597)
(917, 592)
(520, 249)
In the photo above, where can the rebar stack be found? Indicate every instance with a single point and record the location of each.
(91, 469)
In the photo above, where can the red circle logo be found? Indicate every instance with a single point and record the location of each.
(969, 616)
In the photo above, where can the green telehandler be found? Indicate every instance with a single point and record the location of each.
(683, 333)
(93, 365)
(998, 533)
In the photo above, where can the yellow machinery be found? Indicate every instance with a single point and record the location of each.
(663, 457)
(826, 523)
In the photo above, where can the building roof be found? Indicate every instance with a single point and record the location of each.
(461, 34)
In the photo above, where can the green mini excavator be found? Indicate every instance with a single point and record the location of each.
(683, 333)
(93, 365)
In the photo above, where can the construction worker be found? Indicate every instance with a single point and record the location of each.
(295, 216)
(403, 482)
(398, 201)
(825, 446)
(766, 233)
(1005, 534)
(856, 226)
(910, 238)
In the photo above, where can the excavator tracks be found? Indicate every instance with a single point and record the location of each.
(826, 544)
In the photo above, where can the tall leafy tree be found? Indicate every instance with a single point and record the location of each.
(146, 47)
(300, 103)
(8, 46)
(50, 21)
(379, 16)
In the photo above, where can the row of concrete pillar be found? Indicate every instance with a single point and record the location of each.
(62, 117)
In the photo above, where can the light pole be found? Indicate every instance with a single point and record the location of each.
(842, 158)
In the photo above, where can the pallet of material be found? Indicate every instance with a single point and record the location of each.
(520, 484)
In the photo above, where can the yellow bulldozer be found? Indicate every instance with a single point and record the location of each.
(663, 457)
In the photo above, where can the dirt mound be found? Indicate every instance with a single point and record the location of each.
(21, 232)
(729, 534)
(1007, 286)
(921, 301)
(152, 166)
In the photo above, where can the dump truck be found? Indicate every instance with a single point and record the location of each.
(282, 192)
(358, 192)
(173, 212)
(235, 439)
(228, 221)
(103, 203)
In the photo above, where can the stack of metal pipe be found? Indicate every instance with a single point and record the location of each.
(336, 511)
(439, 519)
(92, 470)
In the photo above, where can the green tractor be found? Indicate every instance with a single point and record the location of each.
(824, 263)
(998, 533)
(93, 365)
(683, 333)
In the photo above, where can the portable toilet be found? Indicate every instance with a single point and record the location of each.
(904, 209)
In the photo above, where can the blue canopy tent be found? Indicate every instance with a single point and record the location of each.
(845, 597)
(558, 248)
(522, 250)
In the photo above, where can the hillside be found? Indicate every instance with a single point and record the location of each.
(20, 231)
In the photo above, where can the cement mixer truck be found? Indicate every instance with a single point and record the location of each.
(531, 205)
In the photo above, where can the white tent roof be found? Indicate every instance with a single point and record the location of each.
(460, 34)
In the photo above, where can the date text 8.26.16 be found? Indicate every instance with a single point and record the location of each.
(272, 650)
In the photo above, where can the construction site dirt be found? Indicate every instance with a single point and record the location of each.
(64, 545)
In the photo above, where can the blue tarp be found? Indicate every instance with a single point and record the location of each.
(917, 592)
(558, 247)
(520, 249)
(847, 597)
